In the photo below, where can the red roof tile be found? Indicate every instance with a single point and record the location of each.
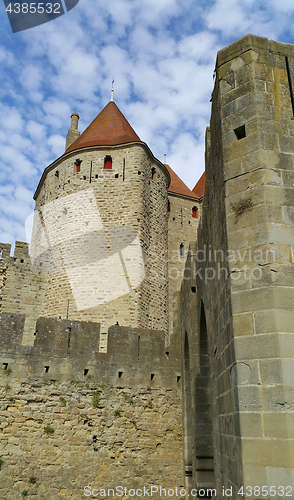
(177, 185)
(199, 188)
(109, 128)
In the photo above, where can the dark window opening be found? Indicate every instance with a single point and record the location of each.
(167, 354)
(120, 374)
(86, 371)
(152, 376)
(46, 369)
(22, 261)
(85, 177)
(153, 172)
(57, 174)
(240, 132)
(108, 162)
(77, 165)
(194, 212)
(193, 289)
(168, 206)
(182, 249)
(116, 176)
(96, 176)
(139, 173)
(174, 218)
(5, 366)
(178, 378)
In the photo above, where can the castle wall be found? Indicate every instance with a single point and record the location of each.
(22, 287)
(182, 229)
(118, 424)
(244, 276)
(120, 236)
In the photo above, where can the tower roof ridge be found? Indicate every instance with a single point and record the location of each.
(177, 186)
(109, 128)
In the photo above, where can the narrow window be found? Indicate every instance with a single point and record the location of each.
(116, 176)
(168, 206)
(153, 172)
(152, 376)
(240, 132)
(46, 369)
(182, 249)
(5, 366)
(120, 374)
(108, 162)
(77, 165)
(57, 174)
(178, 378)
(193, 289)
(194, 212)
(86, 371)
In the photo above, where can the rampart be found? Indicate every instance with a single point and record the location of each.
(72, 416)
(238, 329)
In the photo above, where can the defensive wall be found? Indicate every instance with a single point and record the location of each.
(73, 417)
(238, 329)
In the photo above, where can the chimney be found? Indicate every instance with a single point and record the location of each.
(73, 132)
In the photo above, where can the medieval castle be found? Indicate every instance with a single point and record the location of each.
(146, 338)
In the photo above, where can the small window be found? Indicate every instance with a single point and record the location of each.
(77, 165)
(46, 369)
(108, 162)
(120, 374)
(153, 172)
(116, 176)
(193, 289)
(57, 174)
(178, 378)
(168, 206)
(86, 371)
(240, 132)
(194, 212)
(182, 249)
(152, 376)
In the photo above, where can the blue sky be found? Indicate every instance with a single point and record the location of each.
(161, 54)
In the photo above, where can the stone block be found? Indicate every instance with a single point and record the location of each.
(251, 424)
(243, 324)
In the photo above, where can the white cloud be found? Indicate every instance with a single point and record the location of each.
(161, 54)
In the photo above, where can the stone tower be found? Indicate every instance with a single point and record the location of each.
(101, 228)
(238, 330)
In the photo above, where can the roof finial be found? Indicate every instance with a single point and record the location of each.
(112, 91)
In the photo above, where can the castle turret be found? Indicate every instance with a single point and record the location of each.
(101, 226)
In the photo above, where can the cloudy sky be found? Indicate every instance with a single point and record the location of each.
(161, 54)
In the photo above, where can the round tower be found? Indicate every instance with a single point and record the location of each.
(101, 228)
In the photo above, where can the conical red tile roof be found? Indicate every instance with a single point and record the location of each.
(109, 128)
(177, 185)
(199, 188)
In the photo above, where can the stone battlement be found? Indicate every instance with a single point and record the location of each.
(69, 350)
